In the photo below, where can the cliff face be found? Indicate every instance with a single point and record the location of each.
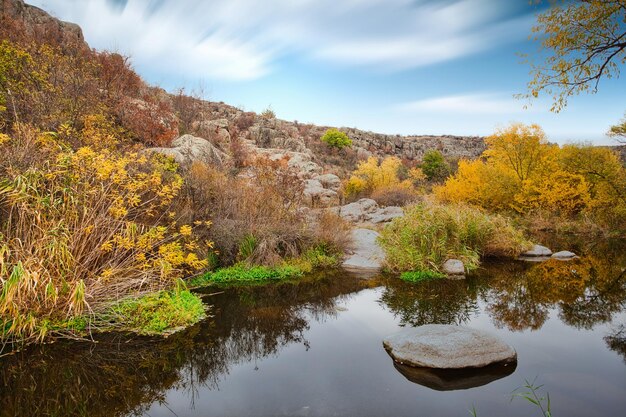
(39, 24)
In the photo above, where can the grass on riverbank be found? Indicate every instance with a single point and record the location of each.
(243, 273)
(431, 233)
(159, 313)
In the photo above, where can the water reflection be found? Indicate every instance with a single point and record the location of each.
(123, 375)
(455, 379)
(519, 295)
(616, 340)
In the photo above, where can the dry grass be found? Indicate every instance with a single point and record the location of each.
(83, 229)
(257, 217)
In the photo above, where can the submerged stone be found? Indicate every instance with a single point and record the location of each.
(447, 347)
(537, 250)
(564, 255)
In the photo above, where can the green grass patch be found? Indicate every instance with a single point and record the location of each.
(158, 313)
(417, 276)
(242, 273)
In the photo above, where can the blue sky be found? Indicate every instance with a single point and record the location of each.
(390, 66)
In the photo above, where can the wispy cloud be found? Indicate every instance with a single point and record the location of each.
(478, 103)
(242, 39)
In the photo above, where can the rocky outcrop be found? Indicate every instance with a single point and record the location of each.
(188, 149)
(315, 195)
(293, 136)
(39, 24)
(414, 147)
(447, 347)
(368, 211)
(366, 253)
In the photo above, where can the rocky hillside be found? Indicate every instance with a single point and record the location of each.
(229, 128)
(219, 121)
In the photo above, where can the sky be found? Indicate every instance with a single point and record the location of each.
(389, 66)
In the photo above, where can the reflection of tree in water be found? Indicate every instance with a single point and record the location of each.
(616, 341)
(519, 295)
(586, 291)
(122, 375)
(430, 302)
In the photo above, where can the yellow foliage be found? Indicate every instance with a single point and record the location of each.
(521, 171)
(561, 192)
(85, 228)
(371, 175)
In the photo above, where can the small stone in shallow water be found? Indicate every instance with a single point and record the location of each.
(454, 268)
(564, 255)
(537, 250)
(447, 347)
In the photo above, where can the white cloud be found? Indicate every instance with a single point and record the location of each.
(480, 103)
(242, 39)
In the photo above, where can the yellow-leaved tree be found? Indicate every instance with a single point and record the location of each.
(521, 171)
(581, 42)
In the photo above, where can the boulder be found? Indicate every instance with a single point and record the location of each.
(385, 214)
(454, 268)
(537, 250)
(564, 255)
(367, 254)
(188, 149)
(329, 181)
(358, 211)
(367, 210)
(316, 195)
(447, 347)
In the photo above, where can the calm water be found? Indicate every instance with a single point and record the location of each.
(314, 349)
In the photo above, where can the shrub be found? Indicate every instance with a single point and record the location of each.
(435, 166)
(387, 176)
(259, 221)
(429, 234)
(521, 172)
(394, 195)
(336, 139)
(83, 228)
(268, 113)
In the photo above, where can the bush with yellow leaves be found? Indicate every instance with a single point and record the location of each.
(82, 229)
(388, 179)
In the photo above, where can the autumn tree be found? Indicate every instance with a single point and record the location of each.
(583, 42)
(522, 149)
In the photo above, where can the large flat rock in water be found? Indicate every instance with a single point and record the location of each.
(447, 347)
